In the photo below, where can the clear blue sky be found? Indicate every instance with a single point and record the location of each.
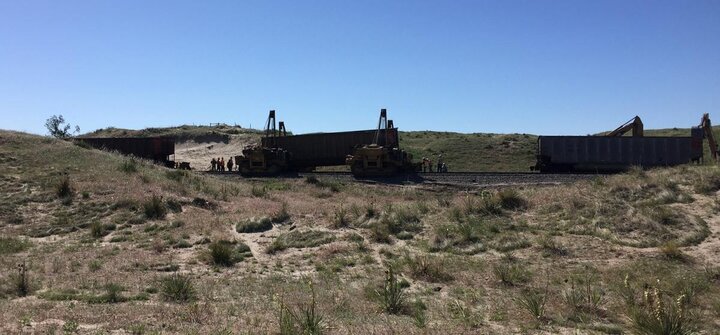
(543, 67)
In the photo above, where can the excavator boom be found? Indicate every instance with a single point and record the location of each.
(706, 126)
(635, 124)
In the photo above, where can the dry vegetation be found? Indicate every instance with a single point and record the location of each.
(92, 242)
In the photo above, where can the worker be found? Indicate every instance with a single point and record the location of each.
(444, 167)
(213, 163)
(230, 164)
(222, 164)
(430, 165)
(440, 163)
(424, 164)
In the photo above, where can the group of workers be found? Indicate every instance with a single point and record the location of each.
(220, 165)
(427, 165)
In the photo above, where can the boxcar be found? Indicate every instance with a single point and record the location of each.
(607, 154)
(158, 149)
(326, 149)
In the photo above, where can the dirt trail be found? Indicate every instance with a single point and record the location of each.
(199, 154)
(708, 249)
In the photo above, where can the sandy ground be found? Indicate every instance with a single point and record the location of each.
(200, 154)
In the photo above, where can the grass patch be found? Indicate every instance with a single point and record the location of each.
(300, 239)
(427, 268)
(511, 273)
(12, 245)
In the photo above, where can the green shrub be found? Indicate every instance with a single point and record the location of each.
(63, 188)
(254, 225)
(222, 253)
(177, 288)
(154, 208)
(392, 295)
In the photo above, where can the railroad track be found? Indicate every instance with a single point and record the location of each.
(472, 179)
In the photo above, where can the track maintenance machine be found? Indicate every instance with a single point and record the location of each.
(265, 160)
(383, 157)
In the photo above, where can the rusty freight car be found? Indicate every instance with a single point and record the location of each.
(157, 149)
(610, 154)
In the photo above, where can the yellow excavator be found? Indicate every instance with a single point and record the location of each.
(383, 157)
(706, 127)
(635, 124)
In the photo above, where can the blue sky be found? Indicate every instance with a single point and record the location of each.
(543, 67)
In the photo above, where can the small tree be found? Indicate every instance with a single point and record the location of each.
(57, 127)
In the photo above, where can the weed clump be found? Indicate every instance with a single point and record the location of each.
(672, 251)
(392, 295)
(254, 225)
(177, 288)
(64, 189)
(533, 301)
(21, 281)
(303, 319)
(154, 208)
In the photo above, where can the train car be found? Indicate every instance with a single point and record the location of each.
(327, 149)
(158, 149)
(611, 154)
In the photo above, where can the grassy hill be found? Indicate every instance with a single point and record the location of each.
(90, 235)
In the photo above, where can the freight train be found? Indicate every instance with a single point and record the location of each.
(377, 152)
(367, 152)
(160, 150)
(614, 152)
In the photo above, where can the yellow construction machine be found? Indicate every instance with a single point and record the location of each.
(383, 157)
(265, 160)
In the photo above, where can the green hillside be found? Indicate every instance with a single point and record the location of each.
(473, 152)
